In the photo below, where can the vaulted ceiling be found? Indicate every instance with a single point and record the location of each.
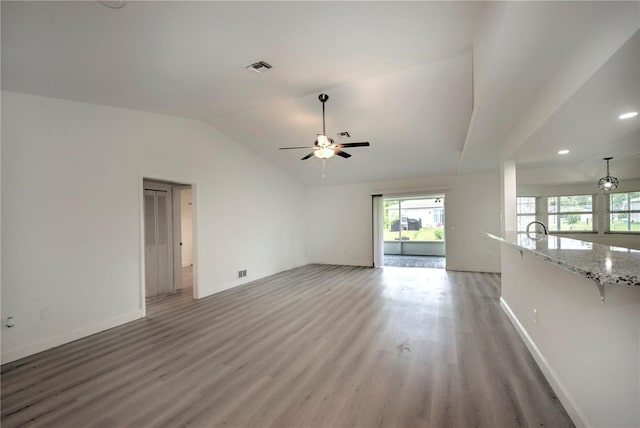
(435, 87)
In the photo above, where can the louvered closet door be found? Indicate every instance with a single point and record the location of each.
(158, 254)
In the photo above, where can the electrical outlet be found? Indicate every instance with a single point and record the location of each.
(239, 274)
(535, 315)
(244, 272)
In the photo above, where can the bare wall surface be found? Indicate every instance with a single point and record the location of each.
(71, 213)
(339, 220)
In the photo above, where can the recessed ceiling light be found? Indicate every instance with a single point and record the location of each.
(628, 115)
(563, 152)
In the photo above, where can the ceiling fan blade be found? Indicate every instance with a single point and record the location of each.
(289, 148)
(342, 154)
(363, 144)
(308, 156)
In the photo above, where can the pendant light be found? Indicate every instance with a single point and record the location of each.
(608, 183)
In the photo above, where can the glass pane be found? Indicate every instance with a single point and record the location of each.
(526, 205)
(391, 218)
(624, 222)
(570, 222)
(624, 201)
(422, 219)
(523, 221)
(575, 203)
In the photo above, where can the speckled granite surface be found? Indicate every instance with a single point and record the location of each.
(604, 263)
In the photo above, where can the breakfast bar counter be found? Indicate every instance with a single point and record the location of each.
(602, 263)
(588, 347)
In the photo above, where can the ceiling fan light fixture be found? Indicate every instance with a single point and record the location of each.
(323, 140)
(608, 182)
(325, 147)
(324, 153)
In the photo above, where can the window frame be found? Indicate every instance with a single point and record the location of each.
(560, 213)
(536, 200)
(608, 213)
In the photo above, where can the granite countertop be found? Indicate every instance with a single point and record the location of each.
(603, 263)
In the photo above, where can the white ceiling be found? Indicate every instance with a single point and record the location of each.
(400, 75)
(588, 124)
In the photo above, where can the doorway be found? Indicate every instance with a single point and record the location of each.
(411, 231)
(168, 236)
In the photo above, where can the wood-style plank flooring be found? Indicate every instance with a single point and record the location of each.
(316, 346)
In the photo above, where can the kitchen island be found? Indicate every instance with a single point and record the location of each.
(576, 305)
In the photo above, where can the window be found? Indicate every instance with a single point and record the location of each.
(525, 212)
(414, 219)
(570, 213)
(624, 212)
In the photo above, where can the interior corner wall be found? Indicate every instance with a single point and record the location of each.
(71, 214)
(339, 220)
(508, 198)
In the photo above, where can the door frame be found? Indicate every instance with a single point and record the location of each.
(170, 181)
(411, 194)
(177, 231)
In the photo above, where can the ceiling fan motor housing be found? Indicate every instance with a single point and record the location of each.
(325, 147)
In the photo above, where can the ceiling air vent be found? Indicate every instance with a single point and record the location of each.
(259, 66)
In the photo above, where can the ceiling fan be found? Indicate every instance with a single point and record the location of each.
(325, 147)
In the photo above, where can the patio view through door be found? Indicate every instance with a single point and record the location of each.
(413, 231)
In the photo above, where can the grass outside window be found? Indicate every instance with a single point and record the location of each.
(424, 234)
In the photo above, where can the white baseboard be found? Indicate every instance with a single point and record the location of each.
(61, 339)
(204, 291)
(368, 263)
(563, 395)
(471, 269)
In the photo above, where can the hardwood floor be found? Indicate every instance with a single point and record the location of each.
(316, 346)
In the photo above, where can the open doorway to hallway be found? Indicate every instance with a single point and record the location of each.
(413, 231)
(186, 236)
(168, 239)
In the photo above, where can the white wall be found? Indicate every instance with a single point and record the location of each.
(589, 352)
(339, 220)
(186, 228)
(71, 213)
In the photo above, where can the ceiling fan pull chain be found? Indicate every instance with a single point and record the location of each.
(324, 167)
